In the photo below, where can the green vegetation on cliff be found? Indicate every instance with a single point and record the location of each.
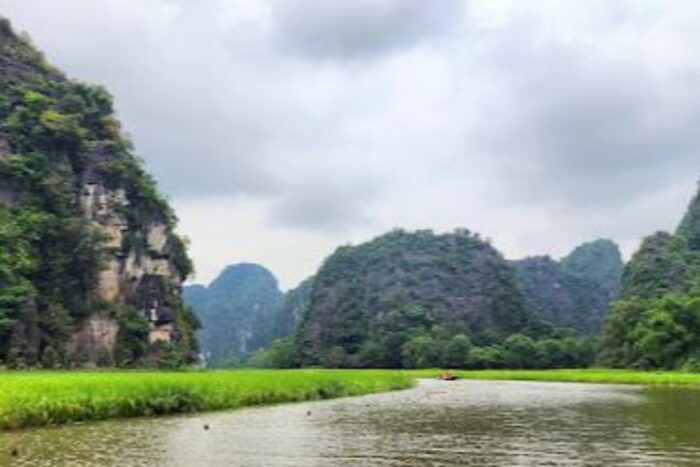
(419, 299)
(576, 292)
(656, 323)
(237, 312)
(372, 298)
(599, 261)
(60, 144)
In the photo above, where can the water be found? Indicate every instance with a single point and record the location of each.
(436, 424)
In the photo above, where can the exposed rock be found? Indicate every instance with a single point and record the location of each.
(162, 333)
(109, 283)
(96, 338)
(157, 238)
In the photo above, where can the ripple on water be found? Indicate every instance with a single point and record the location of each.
(437, 423)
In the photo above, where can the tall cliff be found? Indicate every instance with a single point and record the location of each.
(237, 311)
(90, 266)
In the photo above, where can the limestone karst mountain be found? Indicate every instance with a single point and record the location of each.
(381, 291)
(237, 311)
(90, 266)
(575, 292)
(656, 323)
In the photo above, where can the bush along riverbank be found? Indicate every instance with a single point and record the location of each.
(48, 398)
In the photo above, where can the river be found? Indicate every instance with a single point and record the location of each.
(437, 423)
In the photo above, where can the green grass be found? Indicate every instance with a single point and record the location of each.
(595, 375)
(46, 398)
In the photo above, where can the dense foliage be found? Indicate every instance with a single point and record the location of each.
(237, 311)
(381, 292)
(54, 134)
(291, 311)
(575, 292)
(656, 324)
(599, 261)
(416, 300)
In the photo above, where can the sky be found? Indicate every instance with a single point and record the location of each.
(281, 129)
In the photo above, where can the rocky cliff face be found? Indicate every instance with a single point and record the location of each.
(94, 268)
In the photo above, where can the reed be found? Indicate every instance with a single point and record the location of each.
(593, 375)
(48, 398)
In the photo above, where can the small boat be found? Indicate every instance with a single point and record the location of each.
(448, 376)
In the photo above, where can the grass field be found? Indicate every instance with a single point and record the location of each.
(45, 398)
(580, 376)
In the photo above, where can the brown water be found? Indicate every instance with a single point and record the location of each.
(437, 423)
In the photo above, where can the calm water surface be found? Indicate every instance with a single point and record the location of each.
(437, 423)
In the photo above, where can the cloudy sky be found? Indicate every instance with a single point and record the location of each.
(283, 128)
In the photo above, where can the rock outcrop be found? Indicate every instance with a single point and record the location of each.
(96, 262)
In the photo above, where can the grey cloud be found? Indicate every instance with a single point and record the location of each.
(327, 206)
(350, 29)
(535, 123)
(590, 124)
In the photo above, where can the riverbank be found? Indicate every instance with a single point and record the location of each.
(30, 399)
(37, 398)
(595, 375)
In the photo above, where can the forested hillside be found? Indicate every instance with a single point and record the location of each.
(599, 261)
(90, 267)
(291, 310)
(576, 292)
(416, 299)
(238, 311)
(656, 323)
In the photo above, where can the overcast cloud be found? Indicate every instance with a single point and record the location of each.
(281, 129)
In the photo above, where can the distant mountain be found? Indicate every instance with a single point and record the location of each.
(599, 261)
(237, 311)
(372, 297)
(291, 310)
(576, 292)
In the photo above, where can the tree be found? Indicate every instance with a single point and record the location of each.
(456, 353)
(132, 339)
(487, 357)
(666, 335)
(520, 351)
(336, 357)
(371, 355)
(50, 358)
(419, 352)
(281, 354)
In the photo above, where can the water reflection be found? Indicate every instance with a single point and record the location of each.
(438, 423)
